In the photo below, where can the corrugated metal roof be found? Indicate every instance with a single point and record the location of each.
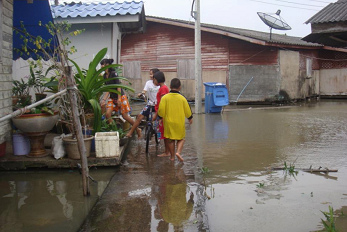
(264, 36)
(83, 10)
(261, 36)
(334, 12)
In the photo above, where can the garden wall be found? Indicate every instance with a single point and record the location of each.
(6, 21)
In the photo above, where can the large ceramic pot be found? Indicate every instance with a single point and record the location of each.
(71, 146)
(36, 126)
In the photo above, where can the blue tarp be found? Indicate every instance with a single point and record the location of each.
(30, 14)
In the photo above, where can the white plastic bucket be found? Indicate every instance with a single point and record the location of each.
(20, 144)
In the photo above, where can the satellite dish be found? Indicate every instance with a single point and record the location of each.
(273, 21)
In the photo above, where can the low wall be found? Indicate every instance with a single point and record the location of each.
(333, 82)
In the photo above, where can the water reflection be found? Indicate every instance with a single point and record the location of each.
(258, 139)
(216, 127)
(173, 206)
(50, 201)
(151, 193)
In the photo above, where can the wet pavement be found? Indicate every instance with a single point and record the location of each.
(151, 193)
(225, 183)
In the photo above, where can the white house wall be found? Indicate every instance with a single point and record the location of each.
(92, 40)
(88, 44)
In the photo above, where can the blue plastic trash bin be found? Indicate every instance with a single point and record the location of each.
(216, 96)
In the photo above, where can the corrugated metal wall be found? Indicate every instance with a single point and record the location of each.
(243, 53)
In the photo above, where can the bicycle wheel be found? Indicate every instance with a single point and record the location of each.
(148, 136)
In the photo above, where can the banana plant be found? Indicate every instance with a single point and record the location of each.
(91, 85)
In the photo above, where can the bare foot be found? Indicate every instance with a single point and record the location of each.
(139, 132)
(172, 158)
(179, 157)
(163, 155)
(128, 135)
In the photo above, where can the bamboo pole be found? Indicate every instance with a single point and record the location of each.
(71, 87)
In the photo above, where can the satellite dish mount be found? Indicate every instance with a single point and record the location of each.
(274, 21)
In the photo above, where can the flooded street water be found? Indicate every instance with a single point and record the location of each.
(225, 184)
(47, 200)
(239, 147)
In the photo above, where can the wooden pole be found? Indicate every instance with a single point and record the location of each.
(71, 88)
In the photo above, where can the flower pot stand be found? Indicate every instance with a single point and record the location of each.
(37, 147)
(36, 126)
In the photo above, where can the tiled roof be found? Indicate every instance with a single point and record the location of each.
(334, 12)
(74, 10)
(250, 34)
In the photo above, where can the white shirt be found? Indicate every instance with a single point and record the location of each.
(152, 91)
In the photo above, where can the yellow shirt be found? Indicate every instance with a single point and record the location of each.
(174, 109)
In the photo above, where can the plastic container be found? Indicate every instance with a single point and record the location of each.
(216, 96)
(20, 144)
(107, 144)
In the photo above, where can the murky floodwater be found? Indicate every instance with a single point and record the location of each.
(239, 192)
(239, 146)
(48, 200)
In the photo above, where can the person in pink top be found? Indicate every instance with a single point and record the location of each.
(159, 80)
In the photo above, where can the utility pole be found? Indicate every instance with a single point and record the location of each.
(197, 58)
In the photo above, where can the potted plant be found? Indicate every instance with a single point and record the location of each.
(91, 85)
(113, 127)
(21, 90)
(36, 122)
(38, 79)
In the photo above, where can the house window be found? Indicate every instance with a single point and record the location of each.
(186, 69)
(132, 69)
(309, 67)
(1, 37)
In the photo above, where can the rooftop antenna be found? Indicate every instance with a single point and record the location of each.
(276, 22)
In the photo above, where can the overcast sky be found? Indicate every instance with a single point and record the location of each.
(238, 13)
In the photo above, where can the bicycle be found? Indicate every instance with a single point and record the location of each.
(150, 128)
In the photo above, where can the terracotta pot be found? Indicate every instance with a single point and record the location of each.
(40, 96)
(15, 100)
(71, 146)
(25, 100)
(36, 126)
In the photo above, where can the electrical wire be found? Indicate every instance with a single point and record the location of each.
(302, 8)
(320, 1)
(296, 3)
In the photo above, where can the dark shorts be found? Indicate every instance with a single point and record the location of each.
(145, 111)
